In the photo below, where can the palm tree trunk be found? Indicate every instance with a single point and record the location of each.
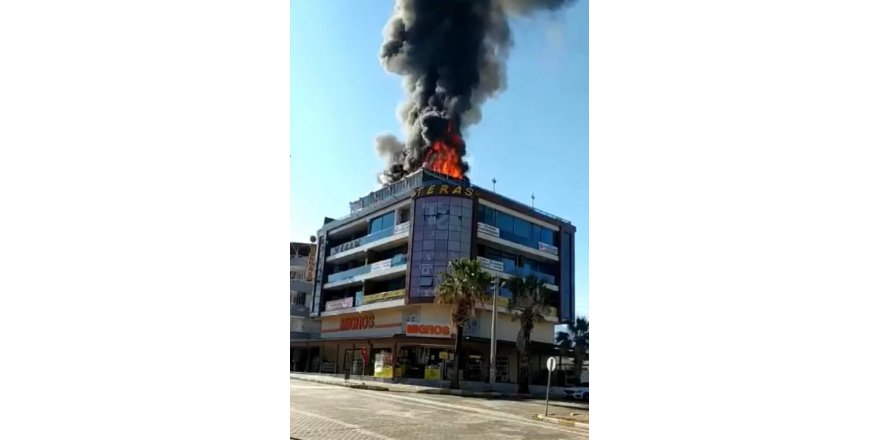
(523, 382)
(458, 349)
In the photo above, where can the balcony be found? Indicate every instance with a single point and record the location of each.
(377, 270)
(376, 241)
(298, 285)
(495, 267)
(361, 303)
(299, 310)
(384, 296)
(346, 274)
(516, 243)
(299, 263)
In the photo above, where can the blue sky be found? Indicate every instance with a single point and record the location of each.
(533, 138)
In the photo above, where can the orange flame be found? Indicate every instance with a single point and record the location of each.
(443, 156)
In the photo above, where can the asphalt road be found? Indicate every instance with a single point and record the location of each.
(319, 411)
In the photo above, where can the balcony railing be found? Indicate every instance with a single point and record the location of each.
(498, 266)
(384, 296)
(369, 238)
(298, 310)
(350, 273)
(518, 239)
(397, 260)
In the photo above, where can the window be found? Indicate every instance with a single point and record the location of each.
(509, 262)
(522, 228)
(298, 299)
(486, 215)
(404, 215)
(382, 223)
(547, 236)
(505, 222)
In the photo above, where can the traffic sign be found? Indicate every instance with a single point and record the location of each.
(551, 364)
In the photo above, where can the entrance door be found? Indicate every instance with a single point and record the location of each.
(353, 362)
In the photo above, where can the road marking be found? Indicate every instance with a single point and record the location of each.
(469, 410)
(357, 428)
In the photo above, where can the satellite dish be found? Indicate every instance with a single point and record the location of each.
(313, 239)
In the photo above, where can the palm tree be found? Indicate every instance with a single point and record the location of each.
(528, 306)
(576, 342)
(463, 286)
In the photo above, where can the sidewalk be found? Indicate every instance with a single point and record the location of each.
(368, 383)
(573, 420)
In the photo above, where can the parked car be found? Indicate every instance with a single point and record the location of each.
(578, 392)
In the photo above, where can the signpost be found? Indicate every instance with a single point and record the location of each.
(551, 365)
(492, 341)
(364, 362)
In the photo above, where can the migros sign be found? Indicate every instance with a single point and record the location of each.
(445, 190)
(428, 330)
(362, 322)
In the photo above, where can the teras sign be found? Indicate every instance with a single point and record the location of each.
(445, 190)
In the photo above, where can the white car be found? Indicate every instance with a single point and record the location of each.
(581, 392)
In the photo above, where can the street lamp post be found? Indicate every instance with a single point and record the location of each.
(492, 340)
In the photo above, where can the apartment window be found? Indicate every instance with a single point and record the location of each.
(487, 215)
(404, 215)
(382, 223)
(297, 298)
(522, 228)
(505, 222)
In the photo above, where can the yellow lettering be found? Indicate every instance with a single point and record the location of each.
(457, 190)
(430, 190)
(469, 192)
(444, 189)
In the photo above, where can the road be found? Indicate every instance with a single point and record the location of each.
(319, 411)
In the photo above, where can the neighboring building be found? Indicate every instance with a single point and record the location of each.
(377, 268)
(302, 326)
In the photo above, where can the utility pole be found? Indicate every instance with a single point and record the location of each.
(492, 340)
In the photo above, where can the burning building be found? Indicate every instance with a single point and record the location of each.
(451, 55)
(376, 270)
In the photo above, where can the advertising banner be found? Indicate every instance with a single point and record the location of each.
(340, 304)
(548, 248)
(380, 265)
(488, 230)
(491, 264)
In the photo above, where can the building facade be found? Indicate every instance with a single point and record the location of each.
(376, 270)
(302, 325)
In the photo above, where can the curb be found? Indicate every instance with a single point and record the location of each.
(561, 422)
(359, 386)
(442, 391)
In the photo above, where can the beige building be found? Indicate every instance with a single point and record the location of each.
(377, 269)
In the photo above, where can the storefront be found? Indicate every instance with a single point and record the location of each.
(417, 342)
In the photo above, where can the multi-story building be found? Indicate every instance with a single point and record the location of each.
(302, 325)
(377, 268)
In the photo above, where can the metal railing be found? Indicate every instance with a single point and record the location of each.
(397, 260)
(517, 271)
(369, 238)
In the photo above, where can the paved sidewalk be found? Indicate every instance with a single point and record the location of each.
(367, 384)
(574, 421)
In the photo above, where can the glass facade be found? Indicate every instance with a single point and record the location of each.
(382, 223)
(442, 230)
(516, 229)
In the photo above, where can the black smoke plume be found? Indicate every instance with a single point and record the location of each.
(451, 54)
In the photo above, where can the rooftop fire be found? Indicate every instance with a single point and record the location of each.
(451, 55)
